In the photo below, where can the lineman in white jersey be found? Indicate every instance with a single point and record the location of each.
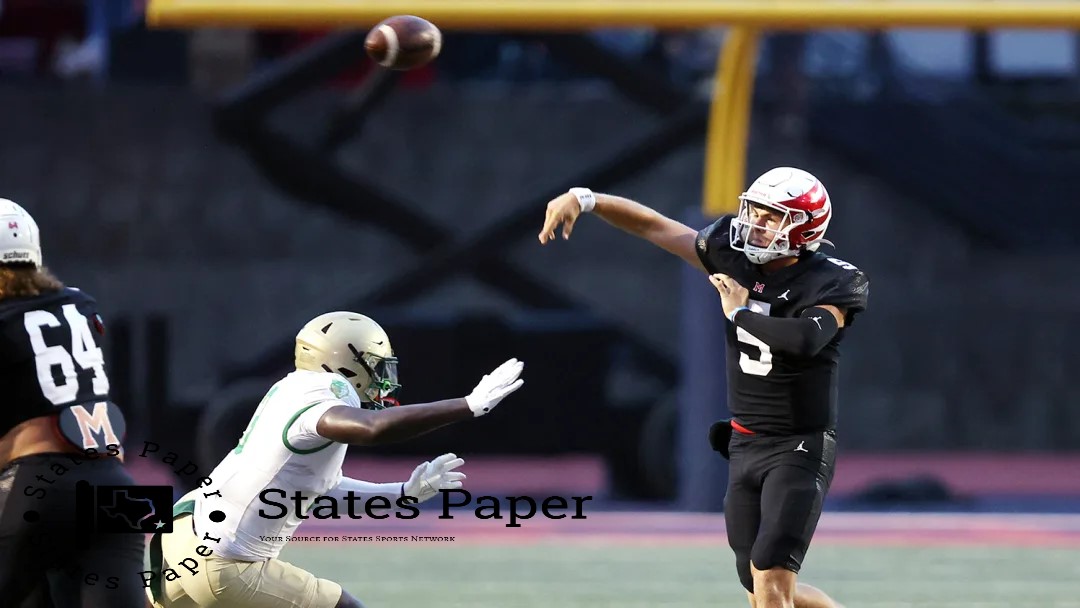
(341, 394)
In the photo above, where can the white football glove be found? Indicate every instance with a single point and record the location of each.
(495, 386)
(430, 477)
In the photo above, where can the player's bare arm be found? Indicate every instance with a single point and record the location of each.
(373, 427)
(803, 336)
(356, 426)
(627, 215)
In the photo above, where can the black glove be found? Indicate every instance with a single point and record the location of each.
(719, 436)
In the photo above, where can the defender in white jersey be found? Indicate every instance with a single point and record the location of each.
(341, 394)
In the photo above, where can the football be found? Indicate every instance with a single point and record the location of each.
(403, 42)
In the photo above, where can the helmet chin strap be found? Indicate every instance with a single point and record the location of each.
(761, 255)
(764, 256)
(379, 399)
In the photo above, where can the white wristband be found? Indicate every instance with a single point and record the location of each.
(585, 198)
(731, 317)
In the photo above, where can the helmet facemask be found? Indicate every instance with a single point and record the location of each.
(382, 387)
(743, 225)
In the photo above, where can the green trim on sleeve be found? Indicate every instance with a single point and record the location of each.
(285, 431)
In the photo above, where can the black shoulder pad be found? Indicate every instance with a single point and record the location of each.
(849, 289)
(713, 245)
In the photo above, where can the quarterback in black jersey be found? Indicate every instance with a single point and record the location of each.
(57, 428)
(788, 307)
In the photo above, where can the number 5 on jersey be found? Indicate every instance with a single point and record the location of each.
(762, 365)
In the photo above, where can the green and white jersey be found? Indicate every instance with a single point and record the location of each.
(280, 453)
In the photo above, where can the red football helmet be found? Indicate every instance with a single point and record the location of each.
(806, 209)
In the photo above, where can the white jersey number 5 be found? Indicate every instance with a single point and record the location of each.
(762, 365)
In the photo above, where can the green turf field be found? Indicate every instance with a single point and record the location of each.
(623, 575)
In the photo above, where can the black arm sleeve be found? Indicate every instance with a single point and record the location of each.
(803, 337)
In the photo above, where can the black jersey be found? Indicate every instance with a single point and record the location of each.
(777, 393)
(49, 356)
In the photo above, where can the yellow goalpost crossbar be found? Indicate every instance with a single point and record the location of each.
(729, 120)
(553, 15)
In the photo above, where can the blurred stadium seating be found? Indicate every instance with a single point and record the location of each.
(949, 156)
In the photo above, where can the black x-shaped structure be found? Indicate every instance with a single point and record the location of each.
(309, 174)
